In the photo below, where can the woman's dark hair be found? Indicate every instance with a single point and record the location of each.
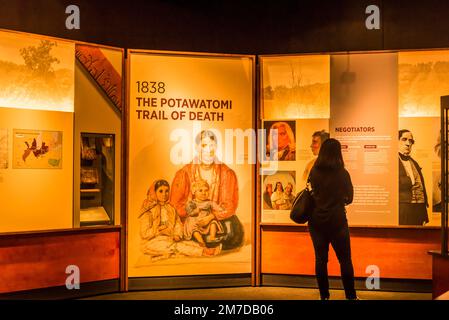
(275, 188)
(330, 157)
(161, 183)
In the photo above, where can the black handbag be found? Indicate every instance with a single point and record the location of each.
(303, 206)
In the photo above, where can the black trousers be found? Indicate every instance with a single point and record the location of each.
(338, 237)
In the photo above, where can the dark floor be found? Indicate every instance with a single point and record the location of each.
(257, 293)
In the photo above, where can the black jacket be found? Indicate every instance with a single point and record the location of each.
(332, 190)
(405, 183)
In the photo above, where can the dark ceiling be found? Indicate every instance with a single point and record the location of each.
(244, 26)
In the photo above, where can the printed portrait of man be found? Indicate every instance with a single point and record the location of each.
(281, 141)
(413, 201)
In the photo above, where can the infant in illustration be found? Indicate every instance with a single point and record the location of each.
(201, 220)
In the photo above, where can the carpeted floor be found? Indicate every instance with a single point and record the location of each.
(257, 293)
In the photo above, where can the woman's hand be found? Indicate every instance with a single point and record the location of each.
(206, 220)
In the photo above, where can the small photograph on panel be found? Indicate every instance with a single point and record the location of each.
(3, 148)
(280, 137)
(279, 190)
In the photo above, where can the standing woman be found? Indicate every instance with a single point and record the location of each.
(332, 191)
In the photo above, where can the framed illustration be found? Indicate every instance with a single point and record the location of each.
(37, 149)
(3, 148)
(192, 212)
(279, 190)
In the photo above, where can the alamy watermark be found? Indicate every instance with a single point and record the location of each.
(236, 146)
(73, 280)
(372, 22)
(73, 21)
(373, 280)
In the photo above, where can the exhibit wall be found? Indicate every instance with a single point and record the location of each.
(173, 99)
(362, 88)
(371, 97)
(91, 104)
(190, 137)
(36, 115)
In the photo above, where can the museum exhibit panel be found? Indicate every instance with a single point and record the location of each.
(60, 167)
(190, 169)
(371, 102)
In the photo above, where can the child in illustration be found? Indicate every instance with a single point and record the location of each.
(201, 220)
(160, 226)
(161, 229)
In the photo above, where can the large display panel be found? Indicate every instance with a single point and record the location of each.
(384, 109)
(191, 164)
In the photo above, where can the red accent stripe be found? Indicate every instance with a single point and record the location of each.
(102, 71)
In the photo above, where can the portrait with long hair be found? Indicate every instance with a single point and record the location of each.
(281, 140)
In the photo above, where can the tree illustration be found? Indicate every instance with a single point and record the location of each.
(39, 58)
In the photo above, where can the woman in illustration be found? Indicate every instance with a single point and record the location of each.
(199, 207)
(161, 230)
(224, 191)
(277, 198)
